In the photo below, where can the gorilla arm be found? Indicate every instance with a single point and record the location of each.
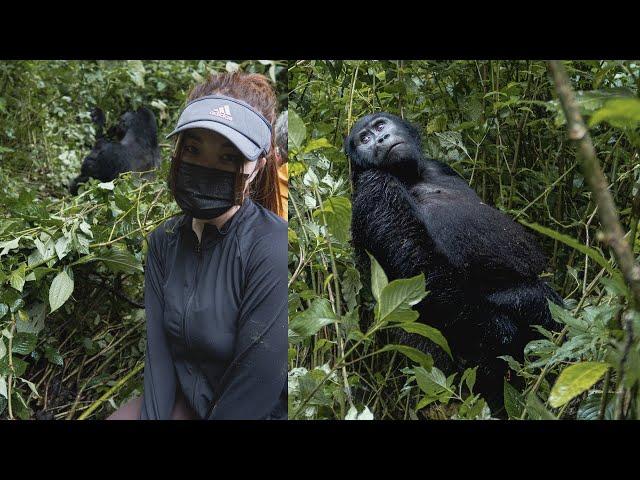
(385, 224)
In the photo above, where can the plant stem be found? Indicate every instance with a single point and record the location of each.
(338, 306)
(605, 394)
(111, 391)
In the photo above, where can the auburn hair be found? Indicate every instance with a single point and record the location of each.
(255, 90)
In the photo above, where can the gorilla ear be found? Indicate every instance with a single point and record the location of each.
(345, 145)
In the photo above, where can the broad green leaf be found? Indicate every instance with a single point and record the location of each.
(564, 316)
(514, 403)
(232, 67)
(62, 246)
(9, 245)
(80, 242)
(19, 367)
(469, 377)
(53, 355)
(20, 407)
(308, 322)
(431, 381)
(35, 257)
(24, 343)
(46, 249)
(137, 72)
(378, 278)
(574, 380)
(31, 386)
(423, 359)
(619, 112)
(16, 279)
(118, 259)
(315, 144)
(60, 290)
(351, 324)
(351, 286)
(337, 212)
(429, 332)
(310, 178)
(536, 409)
(310, 202)
(589, 408)
(397, 298)
(297, 131)
(614, 287)
(425, 401)
(31, 321)
(353, 414)
(588, 101)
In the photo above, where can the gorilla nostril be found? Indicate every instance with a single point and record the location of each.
(383, 138)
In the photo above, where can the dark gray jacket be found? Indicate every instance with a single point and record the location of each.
(217, 317)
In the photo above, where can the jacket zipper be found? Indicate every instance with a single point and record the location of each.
(186, 312)
(193, 291)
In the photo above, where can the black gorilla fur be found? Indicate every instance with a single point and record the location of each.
(134, 148)
(415, 214)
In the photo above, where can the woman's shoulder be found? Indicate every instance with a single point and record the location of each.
(262, 234)
(261, 221)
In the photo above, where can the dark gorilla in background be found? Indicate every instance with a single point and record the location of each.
(133, 148)
(417, 215)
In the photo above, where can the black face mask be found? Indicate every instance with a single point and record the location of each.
(204, 192)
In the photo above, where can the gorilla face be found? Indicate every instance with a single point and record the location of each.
(141, 123)
(383, 140)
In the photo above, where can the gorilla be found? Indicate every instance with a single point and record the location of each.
(134, 148)
(417, 215)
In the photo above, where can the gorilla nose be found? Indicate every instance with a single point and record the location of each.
(383, 137)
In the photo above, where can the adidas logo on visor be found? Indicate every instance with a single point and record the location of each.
(222, 112)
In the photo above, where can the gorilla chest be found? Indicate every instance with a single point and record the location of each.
(423, 192)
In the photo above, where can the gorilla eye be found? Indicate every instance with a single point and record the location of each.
(365, 138)
(380, 126)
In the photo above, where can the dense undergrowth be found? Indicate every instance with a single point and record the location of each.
(72, 324)
(500, 125)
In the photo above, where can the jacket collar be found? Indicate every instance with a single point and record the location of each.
(212, 231)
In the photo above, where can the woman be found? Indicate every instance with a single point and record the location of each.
(216, 276)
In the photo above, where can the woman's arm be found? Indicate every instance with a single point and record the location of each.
(159, 371)
(255, 380)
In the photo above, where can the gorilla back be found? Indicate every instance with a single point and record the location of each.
(417, 215)
(135, 148)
